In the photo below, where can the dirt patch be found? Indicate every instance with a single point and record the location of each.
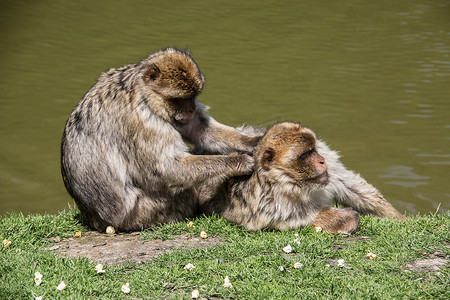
(432, 263)
(427, 265)
(119, 248)
(351, 239)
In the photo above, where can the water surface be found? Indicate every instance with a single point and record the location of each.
(371, 78)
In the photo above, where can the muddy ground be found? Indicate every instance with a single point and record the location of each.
(432, 262)
(119, 248)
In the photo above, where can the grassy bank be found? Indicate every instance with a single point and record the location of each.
(255, 262)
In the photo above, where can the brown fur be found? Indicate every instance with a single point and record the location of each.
(337, 220)
(295, 182)
(123, 155)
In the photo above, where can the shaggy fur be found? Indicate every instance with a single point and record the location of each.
(288, 191)
(123, 154)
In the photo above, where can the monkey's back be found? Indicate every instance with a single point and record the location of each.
(109, 157)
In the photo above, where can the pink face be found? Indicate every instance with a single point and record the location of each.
(291, 148)
(315, 167)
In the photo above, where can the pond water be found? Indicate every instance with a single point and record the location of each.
(371, 78)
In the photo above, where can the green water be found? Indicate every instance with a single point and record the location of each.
(372, 78)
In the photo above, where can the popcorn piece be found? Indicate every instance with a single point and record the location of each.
(38, 298)
(195, 294)
(38, 278)
(371, 255)
(126, 288)
(298, 265)
(99, 269)
(110, 230)
(189, 267)
(61, 286)
(190, 224)
(203, 235)
(78, 234)
(340, 263)
(227, 282)
(287, 249)
(297, 241)
(281, 268)
(6, 243)
(296, 234)
(318, 229)
(38, 281)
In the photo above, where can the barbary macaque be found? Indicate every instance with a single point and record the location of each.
(123, 154)
(296, 179)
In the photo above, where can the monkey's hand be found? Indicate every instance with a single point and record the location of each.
(244, 165)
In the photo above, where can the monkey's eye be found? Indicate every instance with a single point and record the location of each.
(306, 154)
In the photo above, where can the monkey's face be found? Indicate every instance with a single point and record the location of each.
(182, 110)
(288, 153)
(309, 166)
(175, 79)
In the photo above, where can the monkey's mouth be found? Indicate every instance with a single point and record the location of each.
(184, 118)
(182, 121)
(322, 178)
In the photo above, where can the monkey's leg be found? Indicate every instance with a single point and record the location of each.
(337, 220)
(352, 190)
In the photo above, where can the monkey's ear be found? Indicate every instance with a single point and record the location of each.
(267, 158)
(152, 73)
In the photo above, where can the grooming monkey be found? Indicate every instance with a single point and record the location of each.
(123, 154)
(295, 182)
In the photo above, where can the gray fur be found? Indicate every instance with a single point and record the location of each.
(272, 197)
(123, 155)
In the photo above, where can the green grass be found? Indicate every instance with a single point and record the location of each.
(251, 260)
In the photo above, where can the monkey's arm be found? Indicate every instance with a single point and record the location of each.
(208, 134)
(352, 190)
(193, 169)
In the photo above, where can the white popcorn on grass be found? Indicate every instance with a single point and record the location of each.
(287, 249)
(297, 241)
(6, 243)
(61, 286)
(38, 278)
(190, 224)
(318, 229)
(298, 265)
(195, 294)
(99, 269)
(38, 298)
(227, 282)
(189, 267)
(281, 268)
(340, 263)
(371, 255)
(125, 288)
(110, 230)
(203, 235)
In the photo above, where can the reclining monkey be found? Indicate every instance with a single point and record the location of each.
(296, 179)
